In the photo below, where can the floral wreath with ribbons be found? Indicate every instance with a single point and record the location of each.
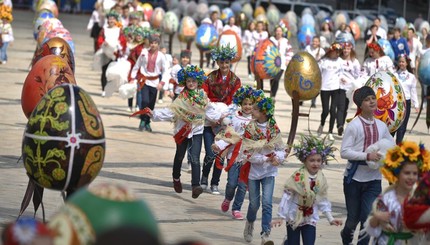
(265, 104)
(114, 14)
(405, 152)
(374, 46)
(311, 145)
(244, 92)
(193, 72)
(223, 52)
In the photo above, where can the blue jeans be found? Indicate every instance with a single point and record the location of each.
(3, 51)
(308, 233)
(208, 161)
(267, 185)
(194, 147)
(234, 185)
(359, 197)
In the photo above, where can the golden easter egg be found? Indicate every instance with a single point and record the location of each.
(303, 75)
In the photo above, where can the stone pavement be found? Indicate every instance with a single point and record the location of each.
(143, 160)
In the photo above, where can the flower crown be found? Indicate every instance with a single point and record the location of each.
(114, 14)
(264, 103)
(336, 46)
(405, 152)
(223, 52)
(311, 145)
(143, 32)
(193, 72)
(374, 46)
(244, 92)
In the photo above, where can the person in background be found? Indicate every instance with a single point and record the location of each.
(169, 65)
(95, 23)
(415, 47)
(377, 61)
(231, 25)
(328, 35)
(249, 45)
(381, 32)
(399, 43)
(125, 16)
(214, 17)
(409, 85)
(259, 35)
(317, 52)
(6, 33)
(184, 60)
(361, 184)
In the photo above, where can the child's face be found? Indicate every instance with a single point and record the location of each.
(313, 163)
(224, 66)
(258, 115)
(315, 43)
(175, 61)
(163, 50)
(153, 46)
(191, 83)
(402, 63)
(260, 27)
(185, 60)
(408, 176)
(346, 51)
(247, 106)
(369, 104)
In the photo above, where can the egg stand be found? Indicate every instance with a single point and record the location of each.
(295, 118)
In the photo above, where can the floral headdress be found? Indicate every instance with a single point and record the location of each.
(336, 46)
(311, 145)
(244, 92)
(374, 46)
(223, 52)
(264, 103)
(405, 152)
(191, 71)
(114, 14)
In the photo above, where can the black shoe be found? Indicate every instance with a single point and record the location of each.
(197, 190)
(340, 130)
(142, 126)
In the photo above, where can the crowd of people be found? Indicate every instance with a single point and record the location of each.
(236, 123)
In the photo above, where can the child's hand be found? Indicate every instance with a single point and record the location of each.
(336, 222)
(382, 216)
(277, 223)
(215, 148)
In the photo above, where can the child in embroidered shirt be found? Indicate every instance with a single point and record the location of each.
(228, 142)
(262, 151)
(305, 192)
(188, 113)
(402, 166)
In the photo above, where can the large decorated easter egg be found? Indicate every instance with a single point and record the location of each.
(92, 212)
(386, 47)
(147, 11)
(248, 10)
(391, 101)
(424, 68)
(305, 36)
(340, 18)
(400, 23)
(303, 75)
(202, 11)
(157, 17)
(345, 37)
(259, 10)
(63, 33)
(47, 26)
(170, 23)
(56, 46)
(226, 13)
(273, 14)
(355, 29)
(266, 60)
(39, 21)
(230, 37)
(48, 72)
(50, 6)
(362, 22)
(63, 146)
(307, 20)
(206, 37)
(187, 29)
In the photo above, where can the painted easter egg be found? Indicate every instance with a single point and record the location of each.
(63, 146)
(63, 33)
(226, 13)
(101, 208)
(345, 37)
(259, 11)
(273, 14)
(307, 20)
(50, 6)
(48, 72)
(305, 36)
(400, 23)
(56, 46)
(202, 11)
(47, 26)
(39, 21)
(206, 37)
(147, 11)
(391, 101)
(157, 17)
(340, 18)
(214, 8)
(191, 8)
(248, 10)
(424, 68)
(303, 75)
(362, 22)
(355, 29)
(170, 23)
(266, 60)
(236, 7)
(386, 47)
(424, 25)
(230, 37)
(187, 29)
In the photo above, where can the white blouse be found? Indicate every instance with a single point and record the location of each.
(409, 85)
(285, 50)
(317, 53)
(372, 66)
(233, 28)
(141, 64)
(288, 208)
(248, 43)
(258, 37)
(350, 72)
(330, 73)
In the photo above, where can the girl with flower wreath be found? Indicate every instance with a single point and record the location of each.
(228, 143)
(376, 61)
(262, 151)
(403, 165)
(362, 181)
(188, 114)
(305, 193)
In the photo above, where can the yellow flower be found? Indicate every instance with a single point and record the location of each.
(399, 97)
(411, 150)
(394, 157)
(426, 161)
(388, 175)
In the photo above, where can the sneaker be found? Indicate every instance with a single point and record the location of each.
(225, 205)
(330, 137)
(204, 182)
(251, 77)
(340, 130)
(247, 232)
(265, 240)
(130, 109)
(214, 190)
(142, 125)
(320, 130)
(177, 185)
(237, 215)
(148, 127)
(197, 190)
(103, 93)
(160, 101)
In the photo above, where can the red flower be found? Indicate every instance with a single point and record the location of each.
(228, 135)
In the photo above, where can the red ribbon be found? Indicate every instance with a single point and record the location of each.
(183, 133)
(234, 155)
(307, 211)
